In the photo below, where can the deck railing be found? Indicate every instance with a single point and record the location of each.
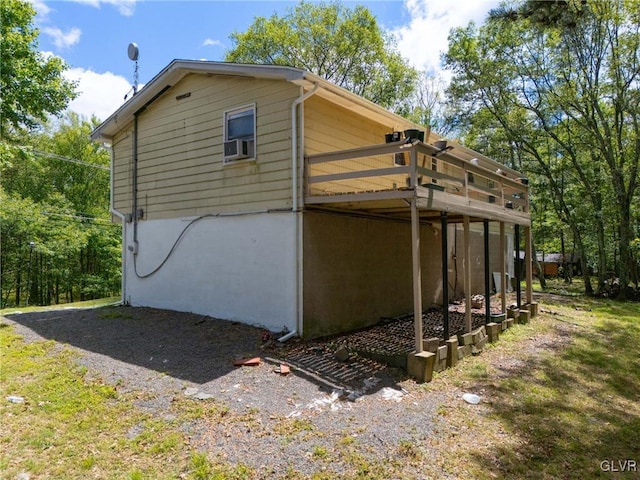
(381, 170)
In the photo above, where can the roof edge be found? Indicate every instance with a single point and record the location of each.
(178, 69)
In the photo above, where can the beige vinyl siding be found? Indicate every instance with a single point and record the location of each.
(122, 147)
(329, 128)
(180, 150)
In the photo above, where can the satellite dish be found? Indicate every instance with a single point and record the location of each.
(133, 52)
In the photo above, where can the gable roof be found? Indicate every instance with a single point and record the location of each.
(178, 69)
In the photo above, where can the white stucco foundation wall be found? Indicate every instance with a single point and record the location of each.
(239, 268)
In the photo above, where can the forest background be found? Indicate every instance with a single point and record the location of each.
(551, 89)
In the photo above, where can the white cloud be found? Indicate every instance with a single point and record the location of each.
(125, 7)
(424, 38)
(63, 39)
(41, 8)
(100, 94)
(212, 43)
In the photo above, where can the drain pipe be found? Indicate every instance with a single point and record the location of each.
(121, 216)
(294, 142)
(294, 208)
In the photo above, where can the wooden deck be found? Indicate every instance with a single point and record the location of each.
(383, 179)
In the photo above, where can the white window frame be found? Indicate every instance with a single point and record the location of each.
(225, 131)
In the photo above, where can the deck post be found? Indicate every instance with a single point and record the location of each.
(517, 266)
(417, 275)
(445, 276)
(467, 275)
(503, 268)
(528, 246)
(487, 274)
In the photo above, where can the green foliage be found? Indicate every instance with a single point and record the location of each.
(345, 46)
(551, 88)
(63, 209)
(32, 84)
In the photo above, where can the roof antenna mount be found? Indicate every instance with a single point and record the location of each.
(133, 52)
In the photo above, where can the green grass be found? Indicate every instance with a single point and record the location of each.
(68, 427)
(569, 401)
(100, 302)
(562, 410)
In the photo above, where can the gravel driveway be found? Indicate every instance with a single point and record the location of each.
(169, 354)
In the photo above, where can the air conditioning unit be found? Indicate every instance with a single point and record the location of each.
(238, 149)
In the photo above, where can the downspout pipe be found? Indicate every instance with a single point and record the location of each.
(121, 216)
(295, 161)
(295, 155)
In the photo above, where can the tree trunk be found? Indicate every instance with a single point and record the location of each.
(536, 263)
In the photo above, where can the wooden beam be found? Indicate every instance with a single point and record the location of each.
(376, 172)
(417, 275)
(487, 274)
(503, 269)
(467, 274)
(445, 275)
(528, 246)
(518, 273)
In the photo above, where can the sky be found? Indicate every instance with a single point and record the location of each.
(92, 36)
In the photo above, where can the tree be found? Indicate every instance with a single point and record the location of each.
(562, 84)
(31, 84)
(345, 46)
(58, 242)
(426, 104)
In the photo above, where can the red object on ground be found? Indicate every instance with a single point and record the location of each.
(247, 362)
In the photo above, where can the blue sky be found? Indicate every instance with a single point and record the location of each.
(92, 35)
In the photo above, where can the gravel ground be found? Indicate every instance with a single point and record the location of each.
(167, 354)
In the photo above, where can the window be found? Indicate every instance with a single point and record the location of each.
(239, 133)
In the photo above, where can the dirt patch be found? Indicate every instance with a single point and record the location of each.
(171, 357)
(325, 416)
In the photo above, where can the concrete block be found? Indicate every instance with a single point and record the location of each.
(441, 353)
(431, 344)
(505, 325)
(420, 366)
(342, 354)
(510, 322)
(465, 339)
(440, 365)
(452, 352)
(512, 312)
(493, 331)
(533, 309)
(478, 334)
(478, 347)
(464, 351)
(524, 316)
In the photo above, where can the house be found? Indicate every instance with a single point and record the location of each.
(267, 195)
(553, 264)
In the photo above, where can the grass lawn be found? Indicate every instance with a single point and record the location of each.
(560, 399)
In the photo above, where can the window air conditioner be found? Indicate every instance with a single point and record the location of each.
(237, 149)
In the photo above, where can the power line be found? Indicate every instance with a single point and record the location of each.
(79, 217)
(70, 160)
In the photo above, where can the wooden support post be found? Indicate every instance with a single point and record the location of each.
(417, 275)
(487, 275)
(467, 275)
(445, 276)
(517, 269)
(503, 269)
(528, 246)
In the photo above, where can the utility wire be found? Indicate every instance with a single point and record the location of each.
(67, 159)
(79, 217)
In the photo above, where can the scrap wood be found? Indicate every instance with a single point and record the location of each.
(283, 369)
(247, 362)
